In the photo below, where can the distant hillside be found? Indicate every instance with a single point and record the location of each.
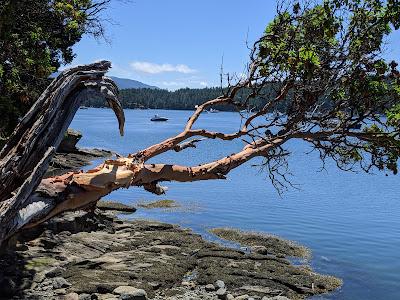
(123, 83)
(187, 99)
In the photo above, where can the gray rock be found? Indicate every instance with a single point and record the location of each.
(130, 293)
(220, 284)
(210, 287)
(71, 138)
(230, 297)
(59, 282)
(221, 293)
(84, 296)
(71, 296)
(60, 291)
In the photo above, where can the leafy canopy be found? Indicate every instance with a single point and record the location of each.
(36, 37)
(328, 57)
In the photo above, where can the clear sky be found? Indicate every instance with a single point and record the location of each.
(181, 43)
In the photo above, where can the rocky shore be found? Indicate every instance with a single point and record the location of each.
(95, 255)
(71, 158)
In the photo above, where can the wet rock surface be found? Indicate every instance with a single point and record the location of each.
(107, 205)
(263, 243)
(93, 255)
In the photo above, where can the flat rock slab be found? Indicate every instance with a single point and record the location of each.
(115, 206)
(164, 260)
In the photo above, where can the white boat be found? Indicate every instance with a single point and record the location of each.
(158, 118)
(212, 110)
(247, 111)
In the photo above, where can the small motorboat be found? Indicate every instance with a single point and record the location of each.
(213, 111)
(158, 118)
(83, 107)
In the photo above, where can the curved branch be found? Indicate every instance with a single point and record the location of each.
(26, 156)
(79, 190)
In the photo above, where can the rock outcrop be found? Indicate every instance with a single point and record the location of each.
(68, 143)
(92, 255)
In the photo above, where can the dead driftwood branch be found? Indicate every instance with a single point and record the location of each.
(26, 156)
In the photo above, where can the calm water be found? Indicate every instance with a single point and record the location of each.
(350, 221)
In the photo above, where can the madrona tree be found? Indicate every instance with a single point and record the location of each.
(324, 61)
(36, 37)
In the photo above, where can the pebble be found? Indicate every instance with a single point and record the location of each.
(60, 291)
(84, 296)
(220, 284)
(71, 296)
(221, 293)
(59, 282)
(210, 287)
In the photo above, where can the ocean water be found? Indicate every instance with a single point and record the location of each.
(350, 221)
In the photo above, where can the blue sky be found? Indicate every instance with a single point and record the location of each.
(180, 43)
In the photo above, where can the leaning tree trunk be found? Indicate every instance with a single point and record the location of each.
(26, 156)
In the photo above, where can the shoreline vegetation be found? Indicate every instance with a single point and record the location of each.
(96, 255)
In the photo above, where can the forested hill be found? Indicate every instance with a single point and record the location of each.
(182, 99)
(185, 99)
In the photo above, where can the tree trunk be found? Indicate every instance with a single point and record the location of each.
(26, 156)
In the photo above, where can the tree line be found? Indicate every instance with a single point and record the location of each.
(188, 99)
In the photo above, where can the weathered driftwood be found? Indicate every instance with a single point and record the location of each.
(26, 156)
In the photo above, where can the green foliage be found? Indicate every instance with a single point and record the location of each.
(290, 41)
(393, 116)
(331, 52)
(36, 37)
